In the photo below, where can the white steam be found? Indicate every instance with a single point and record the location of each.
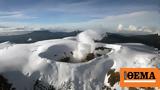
(120, 27)
(86, 43)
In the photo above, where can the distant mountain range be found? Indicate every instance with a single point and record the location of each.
(36, 36)
(152, 40)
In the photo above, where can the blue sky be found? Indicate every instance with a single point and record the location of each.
(78, 11)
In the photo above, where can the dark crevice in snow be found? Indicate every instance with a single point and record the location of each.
(89, 57)
(102, 48)
(65, 59)
(39, 85)
(114, 77)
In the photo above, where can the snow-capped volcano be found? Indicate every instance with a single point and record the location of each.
(64, 64)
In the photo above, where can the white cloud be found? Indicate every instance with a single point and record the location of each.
(120, 27)
(141, 18)
(131, 21)
(15, 15)
(143, 21)
(132, 28)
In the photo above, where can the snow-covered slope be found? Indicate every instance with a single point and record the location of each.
(24, 64)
